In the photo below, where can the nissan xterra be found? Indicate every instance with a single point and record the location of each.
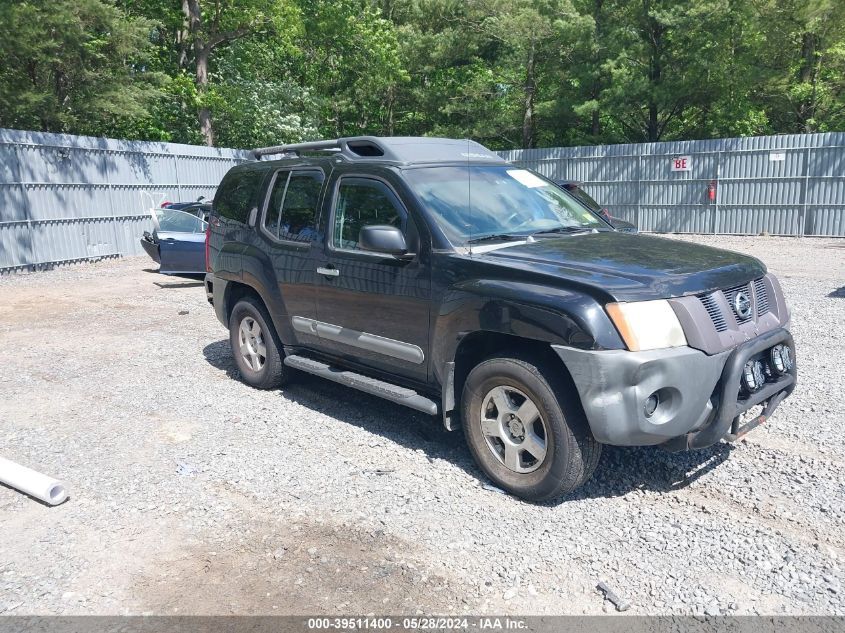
(434, 274)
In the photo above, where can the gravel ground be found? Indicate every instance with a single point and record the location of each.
(192, 493)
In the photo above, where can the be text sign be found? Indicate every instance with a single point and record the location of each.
(682, 163)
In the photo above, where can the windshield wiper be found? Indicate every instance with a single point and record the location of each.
(564, 230)
(496, 236)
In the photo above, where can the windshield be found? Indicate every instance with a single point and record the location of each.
(471, 202)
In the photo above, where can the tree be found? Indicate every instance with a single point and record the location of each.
(508, 73)
(73, 66)
(667, 69)
(349, 60)
(210, 26)
(805, 63)
(538, 39)
(255, 98)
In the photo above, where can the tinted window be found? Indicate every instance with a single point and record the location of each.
(274, 206)
(175, 221)
(236, 194)
(292, 207)
(361, 203)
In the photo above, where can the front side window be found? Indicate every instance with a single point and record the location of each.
(292, 208)
(362, 202)
(476, 201)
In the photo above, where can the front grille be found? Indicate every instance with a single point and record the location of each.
(719, 319)
(709, 303)
(761, 296)
(730, 295)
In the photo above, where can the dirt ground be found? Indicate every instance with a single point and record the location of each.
(191, 493)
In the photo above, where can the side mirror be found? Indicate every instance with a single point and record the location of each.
(382, 238)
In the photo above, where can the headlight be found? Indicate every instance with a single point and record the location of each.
(647, 325)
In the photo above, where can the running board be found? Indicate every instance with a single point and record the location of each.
(386, 390)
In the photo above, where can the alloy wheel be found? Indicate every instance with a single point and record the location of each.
(513, 428)
(252, 347)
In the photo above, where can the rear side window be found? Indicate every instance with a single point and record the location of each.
(292, 208)
(236, 194)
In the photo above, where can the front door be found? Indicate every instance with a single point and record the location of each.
(181, 241)
(372, 308)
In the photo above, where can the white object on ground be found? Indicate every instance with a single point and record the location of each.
(33, 483)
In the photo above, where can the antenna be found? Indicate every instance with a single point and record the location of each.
(469, 198)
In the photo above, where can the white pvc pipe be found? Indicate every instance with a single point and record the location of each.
(32, 483)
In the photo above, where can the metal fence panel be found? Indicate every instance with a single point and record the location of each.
(783, 185)
(70, 198)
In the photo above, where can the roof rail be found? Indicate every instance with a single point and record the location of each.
(296, 148)
(353, 147)
(394, 149)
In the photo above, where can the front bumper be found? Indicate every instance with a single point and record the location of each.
(699, 394)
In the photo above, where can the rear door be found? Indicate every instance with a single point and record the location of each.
(372, 309)
(288, 230)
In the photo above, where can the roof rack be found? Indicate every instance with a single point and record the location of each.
(395, 149)
(353, 147)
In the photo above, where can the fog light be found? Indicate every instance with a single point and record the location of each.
(753, 376)
(650, 405)
(781, 359)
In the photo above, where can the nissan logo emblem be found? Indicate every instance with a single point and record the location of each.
(742, 305)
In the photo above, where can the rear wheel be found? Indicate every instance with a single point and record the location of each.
(255, 346)
(524, 432)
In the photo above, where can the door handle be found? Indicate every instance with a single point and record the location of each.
(329, 272)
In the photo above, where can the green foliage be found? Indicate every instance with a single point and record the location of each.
(73, 66)
(509, 73)
(255, 103)
(350, 60)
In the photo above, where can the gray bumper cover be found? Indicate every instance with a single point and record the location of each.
(614, 385)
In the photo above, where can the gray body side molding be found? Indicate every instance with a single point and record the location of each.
(363, 340)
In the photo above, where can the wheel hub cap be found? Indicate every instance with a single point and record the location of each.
(513, 429)
(516, 428)
(252, 347)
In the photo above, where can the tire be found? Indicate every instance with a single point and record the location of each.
(556, 452)
(260, 370)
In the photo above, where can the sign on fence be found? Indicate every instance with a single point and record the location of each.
(682, 163)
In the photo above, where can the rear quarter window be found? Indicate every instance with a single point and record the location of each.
(237, 193)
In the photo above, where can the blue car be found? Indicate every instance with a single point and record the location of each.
(177, 242)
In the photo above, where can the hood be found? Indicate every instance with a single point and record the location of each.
(632, 267)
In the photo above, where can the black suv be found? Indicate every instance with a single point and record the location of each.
(434, 274)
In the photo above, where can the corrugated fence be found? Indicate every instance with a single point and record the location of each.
(68, 198)
(782, 185)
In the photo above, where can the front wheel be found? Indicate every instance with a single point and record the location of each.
(524, 432)
(255, 346)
